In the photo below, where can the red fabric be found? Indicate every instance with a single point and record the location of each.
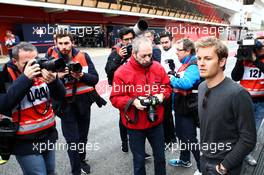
(132, 80)
(28, 114)
(10, 38)
(79, 58)
(253, 82)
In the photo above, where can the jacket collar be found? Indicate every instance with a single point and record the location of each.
(187, 59)
(11, 64)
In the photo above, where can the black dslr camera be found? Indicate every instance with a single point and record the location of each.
(151, 102)
(54, 65)
(74, 67)
(128, 51)
(171, 66)
(247, 46)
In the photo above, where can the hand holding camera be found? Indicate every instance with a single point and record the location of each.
(125, 51)
(122, 52)
(160, 97)
(77, 75)
(62, 74)
(32, 69)
(248, 48)
(137, 103)
(47, 76)
(151, 102)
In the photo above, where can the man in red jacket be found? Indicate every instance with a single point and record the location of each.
(139, 88)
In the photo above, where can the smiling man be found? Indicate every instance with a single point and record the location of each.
(225, 112)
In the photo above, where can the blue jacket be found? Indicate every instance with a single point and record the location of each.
(190, 78)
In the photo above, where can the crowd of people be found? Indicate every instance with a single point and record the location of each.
(165, 93)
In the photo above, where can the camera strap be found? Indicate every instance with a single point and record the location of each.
(47, 106)
(129, 120)
(74, 89)
(19, 116)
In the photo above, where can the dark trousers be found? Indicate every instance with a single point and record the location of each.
(75, 127)
(208, 167)
(137, 139)
(168, 125)
(185, 128)
(123, 132)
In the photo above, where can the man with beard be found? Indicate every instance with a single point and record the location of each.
(168, 53)
(132, 79)
(76, 106)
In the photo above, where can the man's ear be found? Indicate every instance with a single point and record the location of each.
(134, 53)
(15, 62)
(222, 62)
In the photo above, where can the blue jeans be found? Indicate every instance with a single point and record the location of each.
(208, 167)
(37, 164)
(137, 140)
(259, 113)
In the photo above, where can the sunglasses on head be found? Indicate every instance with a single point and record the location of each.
(205, 99)
(181, 50)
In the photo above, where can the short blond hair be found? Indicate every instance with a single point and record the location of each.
(220, 48)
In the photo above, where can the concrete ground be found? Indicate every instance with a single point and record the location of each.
(103, 151)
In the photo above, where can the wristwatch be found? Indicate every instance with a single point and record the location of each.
(221, 169)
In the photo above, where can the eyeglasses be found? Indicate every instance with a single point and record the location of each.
(127, 39)
(181, 50)
(205, 99)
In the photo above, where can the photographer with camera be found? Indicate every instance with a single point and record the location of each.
(79, 77)
(29, 90)
(168, 52)
(119, 56)
(184, 85)
(249, 70)
(170, 62)
(120, 52)
(139, 88)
